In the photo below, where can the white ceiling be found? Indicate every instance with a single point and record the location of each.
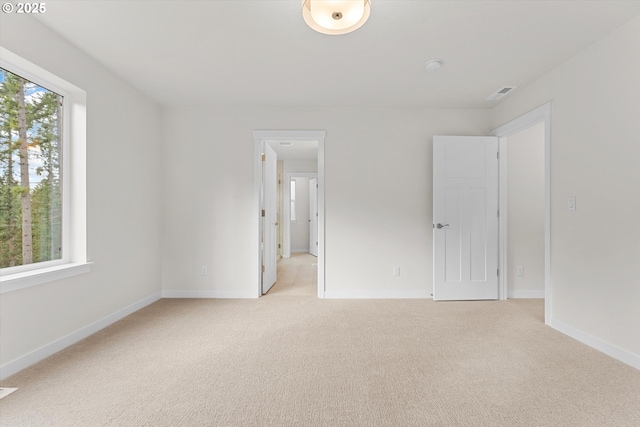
(260, 52)
(295, 149)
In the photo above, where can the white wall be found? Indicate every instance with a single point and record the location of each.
(310, 166)
(525, 212)
(378, 196)
(595, 252)
(123, 207)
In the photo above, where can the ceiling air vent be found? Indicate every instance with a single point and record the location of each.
(500, 93)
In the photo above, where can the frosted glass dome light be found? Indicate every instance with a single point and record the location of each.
(335, 16)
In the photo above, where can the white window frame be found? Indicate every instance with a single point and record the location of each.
(74, 230)
(292, 200)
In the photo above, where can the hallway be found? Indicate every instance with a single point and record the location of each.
(297, 275)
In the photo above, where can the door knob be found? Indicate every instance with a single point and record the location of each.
(438, 225)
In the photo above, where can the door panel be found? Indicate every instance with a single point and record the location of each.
(313, 216)
(270, 167)
(478, 235)
(465, 216)
(453, 242)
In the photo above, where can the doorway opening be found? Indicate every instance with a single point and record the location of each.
(300, 213)
(528, 138)
(280, 156)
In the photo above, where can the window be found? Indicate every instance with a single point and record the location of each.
(42, 175)
(293, 200)
(30, 175)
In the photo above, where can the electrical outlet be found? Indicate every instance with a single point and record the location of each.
(571, 203)
(204, 271)
(396, 271)
(520, 271)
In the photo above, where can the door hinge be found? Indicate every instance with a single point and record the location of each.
(263, 268)
(264, 157)
(262, 212)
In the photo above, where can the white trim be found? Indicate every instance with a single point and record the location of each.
(257, 225)
(207, 294)
(25, 279)
(35, 356)
(531, 294)
(547, 215)
(523, 122)
(541, 114)
(259, 136)
(286, 231)
(502, 218)
(34, 73)
(609, 349)
(8, 272)
(6, 391)
(321, 220)
(386, 294)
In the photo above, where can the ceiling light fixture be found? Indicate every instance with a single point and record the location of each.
(433, 65)
(335, 16)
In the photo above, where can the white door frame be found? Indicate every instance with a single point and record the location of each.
(541, 114)
(273, 135)
(286, 229)
(313, 216)
(269, 217)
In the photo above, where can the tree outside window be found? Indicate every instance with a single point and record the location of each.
(30, 172)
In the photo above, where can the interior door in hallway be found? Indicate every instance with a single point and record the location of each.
(465, 217)
(270, 197)
(313, 216)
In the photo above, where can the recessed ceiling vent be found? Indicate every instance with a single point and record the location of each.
(500, 93)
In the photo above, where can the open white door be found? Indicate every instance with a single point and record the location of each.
(270, 197)
(313, 216)
(465, 217)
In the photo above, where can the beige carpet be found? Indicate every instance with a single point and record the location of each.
(299, 361)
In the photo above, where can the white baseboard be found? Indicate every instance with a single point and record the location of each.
(616, 352)
(35, 356)
(207, 294)
(525, 294)
(393, 294)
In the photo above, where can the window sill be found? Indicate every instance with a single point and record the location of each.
(25, 279)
